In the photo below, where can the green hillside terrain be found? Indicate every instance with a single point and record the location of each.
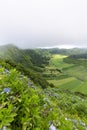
(40, 86)
(30, 62)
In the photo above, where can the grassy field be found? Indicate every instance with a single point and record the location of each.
(79, 72)
(57, 61)
(66, 76)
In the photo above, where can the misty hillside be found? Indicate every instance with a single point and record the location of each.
(27, 57)
(73, 51)
(32, 62)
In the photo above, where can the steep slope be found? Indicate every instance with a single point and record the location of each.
(23, 105)
(28, 61)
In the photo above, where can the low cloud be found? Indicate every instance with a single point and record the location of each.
(43, 23)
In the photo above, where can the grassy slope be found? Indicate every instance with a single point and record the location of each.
(77, 75)
(80, 72)
(57, 61)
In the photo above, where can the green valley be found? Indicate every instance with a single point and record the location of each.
(66, 76)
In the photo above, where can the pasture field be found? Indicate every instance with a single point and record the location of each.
(66, 76)
(60, 82)
(79, 72)
(57, 61)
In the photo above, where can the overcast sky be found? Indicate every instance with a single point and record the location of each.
(43, 23)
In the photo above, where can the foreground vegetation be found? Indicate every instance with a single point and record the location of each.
(25, 106)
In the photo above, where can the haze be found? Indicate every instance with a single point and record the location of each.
(43, 23)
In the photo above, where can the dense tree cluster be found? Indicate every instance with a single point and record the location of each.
(80, 59)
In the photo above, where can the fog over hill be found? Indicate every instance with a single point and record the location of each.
(62, 46)
(43, 23)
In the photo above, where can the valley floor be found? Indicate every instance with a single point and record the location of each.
(66, 76)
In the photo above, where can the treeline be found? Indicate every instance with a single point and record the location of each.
(80, 59)
(79, 56)
(74, 51)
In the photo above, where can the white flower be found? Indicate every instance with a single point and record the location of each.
(52, 127)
